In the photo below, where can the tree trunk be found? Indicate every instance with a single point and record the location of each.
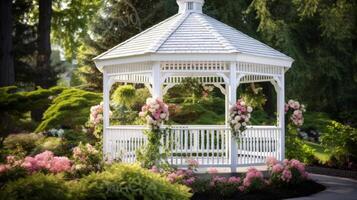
(44, 43)
(7, 72)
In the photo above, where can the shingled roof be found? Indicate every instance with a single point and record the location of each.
(193, 33)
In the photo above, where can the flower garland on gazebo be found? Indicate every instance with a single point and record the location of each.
(155, 112)
(239, 117)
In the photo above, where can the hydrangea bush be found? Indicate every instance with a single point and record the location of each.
(45, 162)
(239, 117)
(86, 159)
(290, 172)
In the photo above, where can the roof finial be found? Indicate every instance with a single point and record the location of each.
(190, 6)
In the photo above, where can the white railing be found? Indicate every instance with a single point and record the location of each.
(209, 145)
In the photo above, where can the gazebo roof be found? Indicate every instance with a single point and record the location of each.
(191, 32)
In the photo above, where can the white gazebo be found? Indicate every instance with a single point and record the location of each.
(192, 44)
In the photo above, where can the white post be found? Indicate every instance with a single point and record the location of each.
(106, 101)
(282, 115)
(232, 98)
(156, 80)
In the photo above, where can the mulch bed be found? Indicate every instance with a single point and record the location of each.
(271, 193)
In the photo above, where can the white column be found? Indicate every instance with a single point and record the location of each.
(156, 80)
(232, 98)
(106, 101)
(282, 115)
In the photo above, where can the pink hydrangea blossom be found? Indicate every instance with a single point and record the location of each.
(3, 168)
(154, 169)
(277, 168)
(271, 161)
(60, 164)
(155, 112)
(234, 179)
(286, 175)
(251, 175)
(239, 117)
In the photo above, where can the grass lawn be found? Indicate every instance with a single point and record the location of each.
(319, 151)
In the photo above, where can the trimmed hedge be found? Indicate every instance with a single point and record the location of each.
(69, 110)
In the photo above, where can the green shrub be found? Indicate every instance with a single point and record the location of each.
(12, 174)
(316, 121)
(341, 141)
(124, 95)
(69, 110)
(25, 141)
(121, 181)
(296, 149)
(36, 187)
(53, 144)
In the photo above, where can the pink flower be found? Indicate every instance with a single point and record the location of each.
(277, 168)
(212, 171)
(3, 168)
(189, 181)
(154, 169)
(234, 179)
(192, 163)
(60, 164)
(286, 175)
(271, 161)
(241, 188)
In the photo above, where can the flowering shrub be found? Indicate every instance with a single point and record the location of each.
(295, 110)
(86, 159)
(44, 161)
(239, 117)
(253, 180)
(288, 173)
(223, 186)
(155, 112)
(96, 114)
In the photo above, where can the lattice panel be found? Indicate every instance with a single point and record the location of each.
(202, 79)
(203, 66)
(132, 78)
(258, 68)
(128, 68)
(255, 78)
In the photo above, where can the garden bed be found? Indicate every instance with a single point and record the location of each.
(306, 188)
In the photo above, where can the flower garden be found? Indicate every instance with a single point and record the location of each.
(83, 172)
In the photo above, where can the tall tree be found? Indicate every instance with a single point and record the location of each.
(44, 45)
(7, 73)
(114, 23)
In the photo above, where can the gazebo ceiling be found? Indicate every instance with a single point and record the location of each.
(193, 33)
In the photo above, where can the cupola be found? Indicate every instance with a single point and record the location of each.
(186, 6)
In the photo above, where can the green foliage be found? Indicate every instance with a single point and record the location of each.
(26, 141)
(341, 141)
(53, 144)
(321, 36)
(11, 175)
(150, 154)
(70, 110)
(17, 106)
(36, 187)
(260, 117)
(254, 97)
(295, 147)
(124, 95)
(121, 181)
(316, 121)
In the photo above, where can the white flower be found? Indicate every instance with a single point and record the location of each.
(244, 124)
(237, 126)
(163, 115)
(249, 109)
(237, 118)
(242, 103)
(246, 119)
